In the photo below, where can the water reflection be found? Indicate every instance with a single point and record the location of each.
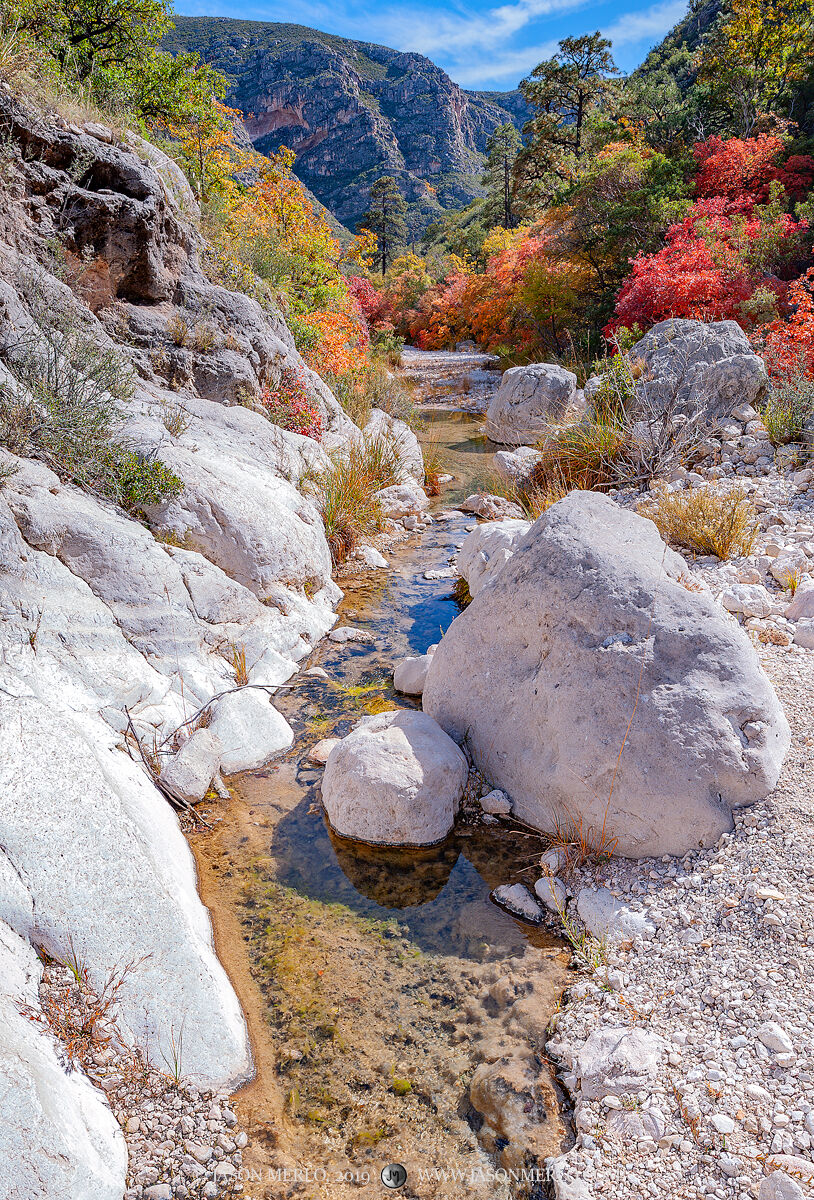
(440, 894)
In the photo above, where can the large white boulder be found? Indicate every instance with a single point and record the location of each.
(528, 400)
(486, 549)
(698, 367)
(587, 682)
(58, 1138)
(396, 780)
(113, 883)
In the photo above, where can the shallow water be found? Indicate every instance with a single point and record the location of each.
(368, 974)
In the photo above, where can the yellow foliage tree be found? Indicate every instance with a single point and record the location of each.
(761, 50)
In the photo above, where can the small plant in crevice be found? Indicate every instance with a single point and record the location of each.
(287, 404)
(793, 580)
(61, 405)
(706, 519)
(460, 593)
(237, 661)
(179, 327)
(174, 418)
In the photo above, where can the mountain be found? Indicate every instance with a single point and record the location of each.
(353, 111)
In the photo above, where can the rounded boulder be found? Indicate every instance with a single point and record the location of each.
(396, 780)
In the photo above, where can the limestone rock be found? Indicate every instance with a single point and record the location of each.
(491, 508)
(516, 466)
(320, 753)
(410, 674)
(192, 768)
(541, 674)
(607, 917)
(250, 730)
(751, 599)
(485, 550)
(518, 900)
(402, 500)
(83, 826)
(528, 400)
(58, 1137)
(617, 1059)
(802, 604)
(693, 367)
(497, 803)
(552, 893)
(397, 779)
(404, 441)
(779, 1186)
(787, 564)
(517, 1102)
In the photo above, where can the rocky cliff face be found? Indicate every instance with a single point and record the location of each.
(113, 627)
(353, 111)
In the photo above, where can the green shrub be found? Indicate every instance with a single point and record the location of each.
(138, 482)
(62, 406)
(790, 406)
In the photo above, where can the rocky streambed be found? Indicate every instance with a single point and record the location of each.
(397, 1013)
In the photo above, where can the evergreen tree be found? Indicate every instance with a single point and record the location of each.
(385, 219)
(502, 150)
(570, 93)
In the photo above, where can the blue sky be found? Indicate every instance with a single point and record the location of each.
(480, 44)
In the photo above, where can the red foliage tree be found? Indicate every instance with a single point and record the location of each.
(711, 266)
(742, 170)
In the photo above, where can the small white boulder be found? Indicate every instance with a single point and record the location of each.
(397, 780)
(750, 599)
(802, 604)
(410, 674)
(605, 916)
(192, 768)
(552, 893)
(250, 730)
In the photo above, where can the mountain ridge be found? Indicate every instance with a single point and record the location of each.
(353, 111)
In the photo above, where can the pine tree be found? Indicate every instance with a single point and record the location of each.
(502, 150)
(385, 218)
(569, 93)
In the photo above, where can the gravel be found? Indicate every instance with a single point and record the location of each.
(726, 981)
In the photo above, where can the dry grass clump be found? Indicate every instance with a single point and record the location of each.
(581, 843)
(585, 454)
(345, 493)
(435, 462)
(534, 495)
(237, 661)
(705, 520)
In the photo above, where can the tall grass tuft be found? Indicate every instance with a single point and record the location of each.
(705, 519)
(345, 493)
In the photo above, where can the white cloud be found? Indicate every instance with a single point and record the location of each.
(512, 66)
(650, 23)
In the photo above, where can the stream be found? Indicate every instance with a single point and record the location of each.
(397, 1015)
